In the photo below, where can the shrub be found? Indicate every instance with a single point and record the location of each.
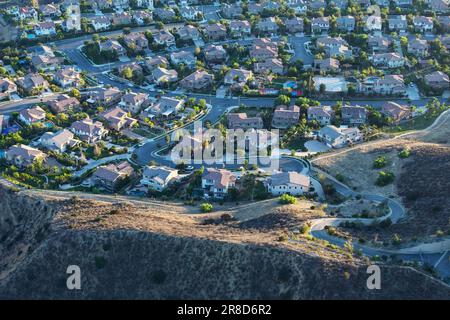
(287, 199)
(385, 178)
(405, 153)
(206, 207)
(304, 229)
(380, 162)
(396, 239)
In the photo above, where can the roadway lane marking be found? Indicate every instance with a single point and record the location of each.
(440, 259)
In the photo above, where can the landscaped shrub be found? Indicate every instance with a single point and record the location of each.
(206, 207)
(287, 199)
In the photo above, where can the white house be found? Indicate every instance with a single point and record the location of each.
(292, 183)
(158, 178)
(339, 137)
(58, 141)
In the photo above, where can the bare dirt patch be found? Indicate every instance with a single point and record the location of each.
(422, 182)
(358, 208)
(355, 167)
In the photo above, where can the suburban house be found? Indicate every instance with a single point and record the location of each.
(164, 14)
(158, 178)
(392, 84)
(105, 96)
(439, 5)
(263, 49)
(136, 40)
(118, 119)
(72, 16)
(191, 13)
(164, 37)
(327, 65)
(162, 76)
(231, 11)
(292, 183)
(315, 5)
(271, 65)
(63, 103)
(164, 107)
(135, 68)
(398, 23)
(23, 156)
(197, 80)
(346, 23)
(378, 43)
(423, 24)
(45, 62)
(237, 76)
(133, 101)
(339, 137)
(88, 130)
(185, 57)
(437, 80)
(58, 141)
(46, 28)
(148, 4)
(255, 8)
(322, 114)
(217, 182)
(215, 53)
(215, 31)
(27, 13)
(32, 81)
(189, 32)
(372, 23)
(68, 77)
(444, 22)
(395, 111)
(112, 175)
(285, 117)
(353, 115)
(154, 62)
(240, 28)
(122, 18)
(294, 25)
(389, 60)
(50, 10)
(100, 23)
(328, 42)
(112, 46)
(142, 17)
(320, 25)
(7, 87)
(32, 115)
(241, 121)
(267, 25)
(418, 47)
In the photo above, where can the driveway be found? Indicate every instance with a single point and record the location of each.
(299, 50)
